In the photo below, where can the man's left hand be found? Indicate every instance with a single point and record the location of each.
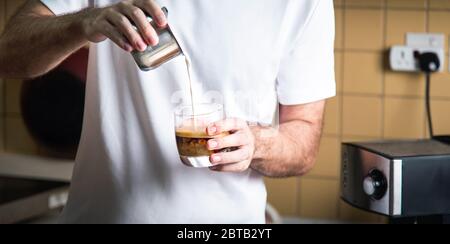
(241, 137)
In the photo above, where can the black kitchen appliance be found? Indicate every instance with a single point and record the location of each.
(33, 188)
(24, 199)
(408, 181)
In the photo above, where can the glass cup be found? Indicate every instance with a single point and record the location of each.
(191, 123)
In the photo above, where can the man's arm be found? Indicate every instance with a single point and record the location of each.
(290, 150)
(35, 40)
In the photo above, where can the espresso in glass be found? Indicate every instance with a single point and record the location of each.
(191, 123)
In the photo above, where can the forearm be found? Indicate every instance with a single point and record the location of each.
(290, 150)
(33, 45)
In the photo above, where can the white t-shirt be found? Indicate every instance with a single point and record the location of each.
(251, 55)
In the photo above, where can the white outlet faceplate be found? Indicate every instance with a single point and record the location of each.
(402, 58)
(425, 40)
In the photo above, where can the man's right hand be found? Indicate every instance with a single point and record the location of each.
(116, 23)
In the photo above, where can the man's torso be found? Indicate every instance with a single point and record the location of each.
(128, 169)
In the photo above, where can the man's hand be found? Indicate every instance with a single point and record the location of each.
(115, 22)
(60, 36)
(288, 150)
(241, 137)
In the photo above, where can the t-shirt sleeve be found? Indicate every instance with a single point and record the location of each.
(61, 7)
(306, 71)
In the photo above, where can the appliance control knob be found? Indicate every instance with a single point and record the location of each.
(375, 185)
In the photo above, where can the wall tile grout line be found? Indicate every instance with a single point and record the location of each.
(321, 177)
(358, 50)
(425, 132)
(341, 95)
(354, 7)
(298, 196)
(439, 10)
(3, 116)
(331, 135)
(372, 95)
(4, 92)
(383, 81)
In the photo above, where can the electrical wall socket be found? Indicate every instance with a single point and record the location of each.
(402, 57)
(425, 40)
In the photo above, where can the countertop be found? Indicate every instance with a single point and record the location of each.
(35, 167)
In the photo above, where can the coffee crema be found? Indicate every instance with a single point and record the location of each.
(195, 144)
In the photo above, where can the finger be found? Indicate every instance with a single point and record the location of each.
(125, 27)
(231, 157)
(228, 125)
(234, 140)
(115, 36)
(145, 28)
(152, 8)
(232, 168)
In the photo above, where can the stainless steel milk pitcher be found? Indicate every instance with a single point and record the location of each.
(167, 48)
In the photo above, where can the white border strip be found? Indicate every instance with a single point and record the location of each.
(397, 187)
